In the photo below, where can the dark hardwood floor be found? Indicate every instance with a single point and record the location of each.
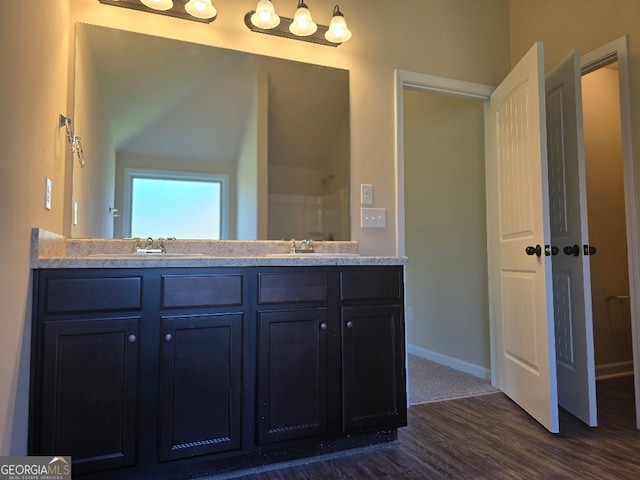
(489, 437)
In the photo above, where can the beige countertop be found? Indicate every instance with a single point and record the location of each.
(49, 250)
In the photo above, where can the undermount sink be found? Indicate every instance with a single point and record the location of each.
(312, 255)
(137, 256)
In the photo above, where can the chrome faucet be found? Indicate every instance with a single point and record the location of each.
(150, 245)
(305, 246)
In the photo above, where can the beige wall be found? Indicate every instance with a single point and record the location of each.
(607, 226)
(445, 228)
(34, 58)
(92, 186)
(567, 24)
(582, 24)
(251, 158)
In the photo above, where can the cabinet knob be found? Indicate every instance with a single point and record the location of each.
(323, 326)
(131, 338)
(349, 324)
(168, 337)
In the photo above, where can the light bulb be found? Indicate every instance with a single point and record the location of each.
(338, 31)
(265, 16)
(302, 24)
(201, 9)
(159, 4)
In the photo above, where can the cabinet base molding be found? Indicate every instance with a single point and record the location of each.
(263, 460)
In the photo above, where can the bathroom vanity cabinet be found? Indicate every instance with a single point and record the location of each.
(142, 372)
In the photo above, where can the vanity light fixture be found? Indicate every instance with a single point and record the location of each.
(196, 10)
(300, 27)
(201, 9)
(338, 31)
(265, 16)
(161, 5)
(73, 140)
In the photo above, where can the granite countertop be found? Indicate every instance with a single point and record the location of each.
(50, 250)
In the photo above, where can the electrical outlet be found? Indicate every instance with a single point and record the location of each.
(366, 194)
(47, 193)
(373, 217)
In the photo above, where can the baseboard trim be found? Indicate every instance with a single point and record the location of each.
(466, 367)
(614, 370)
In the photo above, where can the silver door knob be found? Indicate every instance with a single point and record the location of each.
(131, 338)
(349, 324)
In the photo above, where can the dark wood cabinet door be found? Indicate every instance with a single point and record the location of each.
(201, 385)
(373, 383)
(89, 392)
(292, 374)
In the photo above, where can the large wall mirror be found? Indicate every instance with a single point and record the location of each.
(275, 132)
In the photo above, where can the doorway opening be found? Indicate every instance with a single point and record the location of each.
(443, 152)
(613, 338)
(448, 320)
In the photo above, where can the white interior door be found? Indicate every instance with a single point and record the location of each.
(521, 305)
(575, 360)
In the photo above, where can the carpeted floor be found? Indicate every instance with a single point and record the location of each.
(432, 382)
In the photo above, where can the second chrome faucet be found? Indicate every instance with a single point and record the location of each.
(305, 246)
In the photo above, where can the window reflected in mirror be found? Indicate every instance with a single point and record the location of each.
(172, 205)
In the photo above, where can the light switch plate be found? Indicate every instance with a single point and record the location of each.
(366, 194)
(373, 217)
(47, 193)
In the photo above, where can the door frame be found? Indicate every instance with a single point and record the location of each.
(618, 49)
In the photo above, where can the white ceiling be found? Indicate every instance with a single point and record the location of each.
(170, 98)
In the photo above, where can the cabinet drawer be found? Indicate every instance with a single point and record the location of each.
(78, 295)
(216, 290)
(371, 284)
(292, 287)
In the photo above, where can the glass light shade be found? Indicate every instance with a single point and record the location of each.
(265, 16)
(303, 24)
(158, 4)
(338, 31)
(201, 9)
